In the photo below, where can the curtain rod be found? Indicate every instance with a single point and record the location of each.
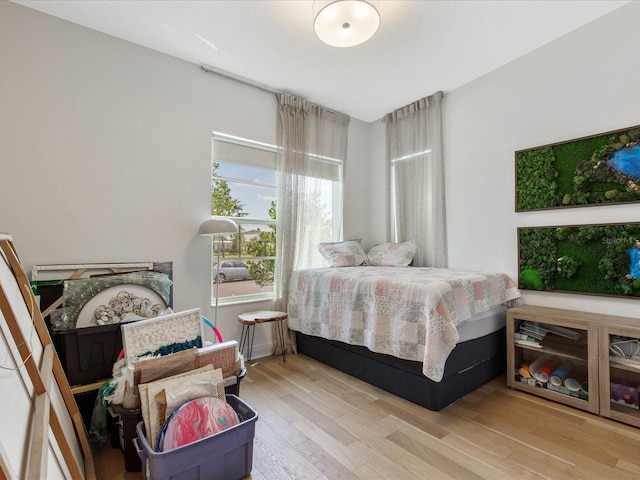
(246, 81)
(261, 86)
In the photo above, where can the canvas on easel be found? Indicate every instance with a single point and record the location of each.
(48, 438)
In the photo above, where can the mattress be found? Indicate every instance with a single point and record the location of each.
(482, 324)
(478, 357)
(412, 313)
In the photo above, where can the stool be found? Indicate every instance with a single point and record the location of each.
(249, 319)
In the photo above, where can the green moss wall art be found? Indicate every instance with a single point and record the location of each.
(602, 169)
(588, 259)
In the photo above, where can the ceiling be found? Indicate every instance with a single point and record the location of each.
(421, 46)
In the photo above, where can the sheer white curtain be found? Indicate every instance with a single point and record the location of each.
(415, 180)
(312, 148)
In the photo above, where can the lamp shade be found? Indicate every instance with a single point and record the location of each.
(346, 23)
(218, 226)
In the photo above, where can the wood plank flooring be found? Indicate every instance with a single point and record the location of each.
(317, 423)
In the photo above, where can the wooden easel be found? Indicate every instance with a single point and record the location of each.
(41, 378)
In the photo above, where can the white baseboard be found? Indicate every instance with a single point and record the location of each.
(259, 351)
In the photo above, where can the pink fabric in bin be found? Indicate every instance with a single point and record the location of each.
(198, 419)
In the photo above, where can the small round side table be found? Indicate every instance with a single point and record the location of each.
(249, 320)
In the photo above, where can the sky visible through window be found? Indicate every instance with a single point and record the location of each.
(259, 190)
(257, 195)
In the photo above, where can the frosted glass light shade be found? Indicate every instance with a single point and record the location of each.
(346, 23)
(218, 226)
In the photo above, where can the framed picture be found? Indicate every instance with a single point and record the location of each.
(588, 259)
(116, 303)
(113, 299)
(162, 335)
(84, 281)
(602, 169)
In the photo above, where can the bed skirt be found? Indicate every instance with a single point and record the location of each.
(470, 365)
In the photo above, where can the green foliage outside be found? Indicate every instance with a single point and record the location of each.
(264, 245)
(321, 229)
(222, 203)
(584, 259)
(575, 173)
(262, 271)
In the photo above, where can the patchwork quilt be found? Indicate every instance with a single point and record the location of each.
(408, 312)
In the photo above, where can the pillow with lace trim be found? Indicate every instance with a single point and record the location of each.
(392, 254)
(343, 254)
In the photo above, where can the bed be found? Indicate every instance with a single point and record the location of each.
(429, 335)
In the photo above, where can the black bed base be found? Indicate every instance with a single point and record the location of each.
(469, 366)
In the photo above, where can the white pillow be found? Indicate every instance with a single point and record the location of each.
(343, 254)
(392, 254)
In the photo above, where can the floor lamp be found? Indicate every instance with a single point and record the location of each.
(217, 227)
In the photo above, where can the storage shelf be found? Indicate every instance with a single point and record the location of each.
(552, 351)
(553, 395)
(618, 408)
(627, 368)
(591, 354)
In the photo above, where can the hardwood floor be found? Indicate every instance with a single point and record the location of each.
(315, 422)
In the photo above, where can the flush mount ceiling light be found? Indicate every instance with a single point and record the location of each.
(346, 23)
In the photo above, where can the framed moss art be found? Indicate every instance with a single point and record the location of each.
(602, 169)
(589, 259)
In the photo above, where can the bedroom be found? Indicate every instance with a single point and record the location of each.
(60, 207)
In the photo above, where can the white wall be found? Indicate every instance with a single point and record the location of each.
(105, 150)
(106, 153)
(356, 182)
(377, 198)
(582, 84)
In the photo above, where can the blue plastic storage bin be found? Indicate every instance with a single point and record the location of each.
(227, 455)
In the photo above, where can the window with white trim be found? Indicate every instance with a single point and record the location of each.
(403, 171)
(243, 188)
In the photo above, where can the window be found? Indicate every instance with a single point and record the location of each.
(416, 179)
(243, 188)
(404, 171)
(321, 200)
